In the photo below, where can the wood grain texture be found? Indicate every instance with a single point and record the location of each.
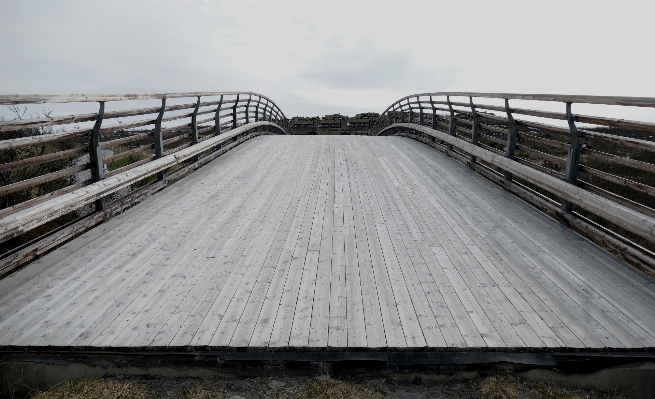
(330, 242)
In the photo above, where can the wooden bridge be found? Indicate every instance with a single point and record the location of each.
(453, 228)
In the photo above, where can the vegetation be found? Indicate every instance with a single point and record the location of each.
(491, 387)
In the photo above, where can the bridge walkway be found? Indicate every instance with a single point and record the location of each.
(330, 241)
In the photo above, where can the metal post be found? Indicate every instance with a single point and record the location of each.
(451, 127)
(434, 115)
(395, 114)
(194, 123)
(420, 111)
(248, 109)
(573, 157)
(217, 117)
(257, 109)
(410, 111)
(476, 132)
(95, 155)
(159, 138)
(234, 113)
(511, 137)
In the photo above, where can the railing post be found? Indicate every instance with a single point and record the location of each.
(248, 109)
(217, 117)
(395, 114)
(159, 139)
(451, 127)
(194, 123)
(434, 115)
(410, 111)
(420, 111)
(511, 137)
(259, 99)
(194, 128)
(573, 157)
(476, 133)
(234, 113)
(95, 156)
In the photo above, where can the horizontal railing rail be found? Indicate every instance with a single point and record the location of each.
(45, 158)
(593, 156)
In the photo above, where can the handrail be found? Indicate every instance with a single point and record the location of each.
(38, 161)
(27, 219)
(614, 161)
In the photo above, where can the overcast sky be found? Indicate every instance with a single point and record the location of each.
(314, 58)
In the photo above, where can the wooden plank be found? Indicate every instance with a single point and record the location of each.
(318, 336)
(298, 281)
(286, 269)
(624, 217)
(244, 329)
(302, 319)
(518, 242)
(375, 333)
(338, 323)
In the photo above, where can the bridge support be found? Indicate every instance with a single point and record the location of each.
(573, 157)
(95, 155)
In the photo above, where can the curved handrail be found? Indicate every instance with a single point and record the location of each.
(41, 164)
(27, 219)
(612, 162)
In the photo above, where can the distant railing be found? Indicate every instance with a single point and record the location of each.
(46, 160)
(608, 158)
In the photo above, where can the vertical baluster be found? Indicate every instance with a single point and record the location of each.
(451, 127)
(95, 155)
(248, 109)
(476, 133)
(194, 128)
(420, 111)
(409, 120)
(194, 123)
(159, 139)
(511, 137)
(234, 113)
(434, 114)
(217, 117)
(259, 99)
(573, 157)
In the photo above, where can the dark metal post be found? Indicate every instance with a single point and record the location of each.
(234, 113)
(451, 127)
(476, 133)
(248, 109)
(434, 115)
(159, 139)
(95, 155)
(573, 158)
(410, 111)
(420, 111)
(194, 123)
(511, 137)
(257, 109)
(395, 114)
(217, 117)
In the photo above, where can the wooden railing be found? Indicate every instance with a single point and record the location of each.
(59, 177)
(593, 172)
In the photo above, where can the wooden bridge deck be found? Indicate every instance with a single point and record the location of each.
(330, 241)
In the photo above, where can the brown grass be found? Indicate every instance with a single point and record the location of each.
(495, 387)
(100, 389)
(335, 389)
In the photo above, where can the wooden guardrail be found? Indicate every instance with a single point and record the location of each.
(592, 171)
(53, 167)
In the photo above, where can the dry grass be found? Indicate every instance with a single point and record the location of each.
(495, 387)
(335, 389)
(100, 389)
